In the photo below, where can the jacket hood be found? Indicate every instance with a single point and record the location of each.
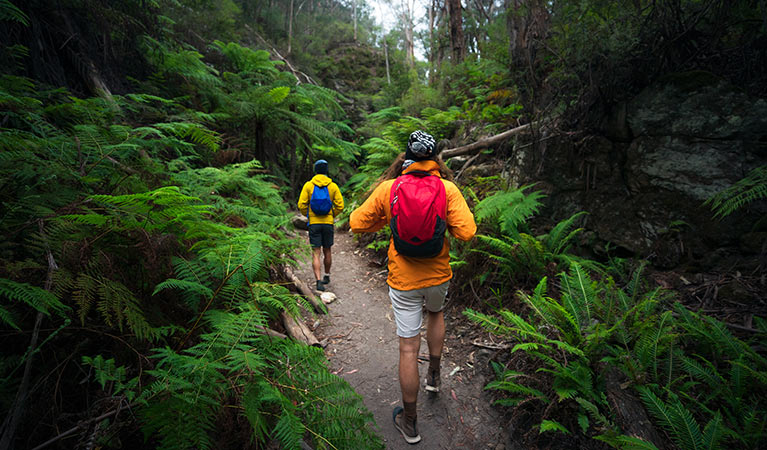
(426, 166)
(321, 180)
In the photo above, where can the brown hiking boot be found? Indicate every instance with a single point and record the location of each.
(407, 428)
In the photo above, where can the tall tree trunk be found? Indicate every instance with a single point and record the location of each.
(407, 21)
(456, 30)
(432, 65)
(290, 25)
(528, 22)
(386, 56)
(354, 18)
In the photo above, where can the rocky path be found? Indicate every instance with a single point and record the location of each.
(362, 347)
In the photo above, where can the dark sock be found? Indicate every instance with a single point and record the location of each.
(410, 410)
(434, 363)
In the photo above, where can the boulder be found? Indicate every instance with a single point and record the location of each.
(300, 222)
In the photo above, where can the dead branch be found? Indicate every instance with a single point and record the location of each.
(80, 425)
(303, 289)
(298, 330)
(292, 69)
(272, 333)
(483, 143)
(492, 346)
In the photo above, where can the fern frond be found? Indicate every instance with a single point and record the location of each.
(510, 208)
(8, 11)
(749, 189)
(560, 237)
(33, 296)
(552, 425)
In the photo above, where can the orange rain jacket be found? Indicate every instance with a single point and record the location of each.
(335, 197)
(408, 273)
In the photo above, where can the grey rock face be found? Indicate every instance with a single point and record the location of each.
(661, 156)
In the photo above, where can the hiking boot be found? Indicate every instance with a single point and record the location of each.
(408, 429)
(320, 286)
(432, 381)
(326, 279)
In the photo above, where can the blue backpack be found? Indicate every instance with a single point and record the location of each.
(320, 201)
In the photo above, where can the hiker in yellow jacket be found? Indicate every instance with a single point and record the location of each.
(415, 282)
(321, 224)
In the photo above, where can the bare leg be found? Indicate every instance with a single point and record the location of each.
(328, 259)
(317, 262)
(435, 333)
(408, 367)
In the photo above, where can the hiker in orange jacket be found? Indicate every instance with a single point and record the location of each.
(415, 282)
(321, 225)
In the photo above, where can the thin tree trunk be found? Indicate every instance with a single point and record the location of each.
(290, 26)
(432, 65)
(407, 21)
(354, 18)
(386, 56)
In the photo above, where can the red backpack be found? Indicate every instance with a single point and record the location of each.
(418, 212)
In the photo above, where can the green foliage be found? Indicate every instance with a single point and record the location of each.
(37, 298)
(516, 253)
(156, 249)
(751, 188)
(9, 11)
(509, 209)
(688, 368)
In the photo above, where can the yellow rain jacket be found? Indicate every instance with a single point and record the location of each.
(335, 197)
(408, 273)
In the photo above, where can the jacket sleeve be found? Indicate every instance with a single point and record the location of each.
(371, 215)
(338, 200)
(303, 200)
(460, 220)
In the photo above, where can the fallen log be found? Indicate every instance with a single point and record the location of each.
(304, 290)
(272, 333)
(483, 143)
(298, 330)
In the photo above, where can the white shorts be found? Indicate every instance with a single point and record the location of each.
(408, 307)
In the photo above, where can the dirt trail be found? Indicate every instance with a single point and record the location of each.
(363, 349)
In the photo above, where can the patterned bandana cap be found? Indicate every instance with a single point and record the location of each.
(420, 146)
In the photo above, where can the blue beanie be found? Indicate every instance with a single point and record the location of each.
(321, 167)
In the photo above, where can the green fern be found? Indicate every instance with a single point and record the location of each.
(8, 11)
(751, 188)
(36, 298)
(675, 418)
(510, 209)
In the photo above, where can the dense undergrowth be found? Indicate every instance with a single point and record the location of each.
(137, 282)
(590, 331)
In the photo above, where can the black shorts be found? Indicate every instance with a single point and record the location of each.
(321, 235)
